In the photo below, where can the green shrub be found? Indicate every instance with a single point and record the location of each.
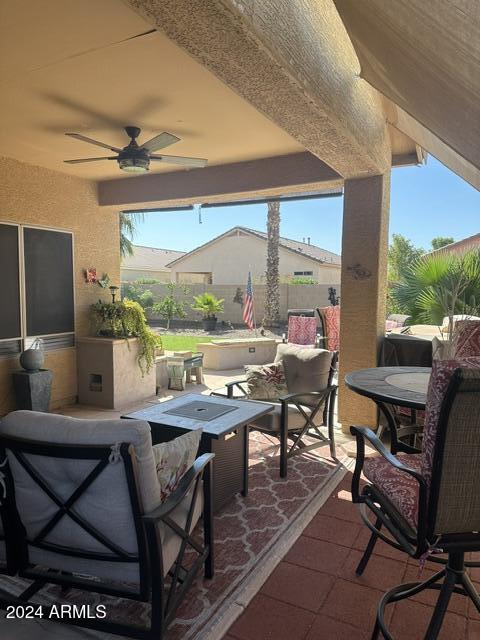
(302, 280)
(147, 281)
(208, 305)
(440, 285)
(170, 307)
(126, 319)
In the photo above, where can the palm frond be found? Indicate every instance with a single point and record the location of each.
(441, 285)
(128, 229)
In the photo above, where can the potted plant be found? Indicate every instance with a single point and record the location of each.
(126, 319)
(208, 305)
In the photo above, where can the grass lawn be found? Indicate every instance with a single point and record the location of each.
(181, 342)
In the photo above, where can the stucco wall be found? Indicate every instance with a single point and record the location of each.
(291, 297)
(33, 195)
(130, 275)
(231, 258)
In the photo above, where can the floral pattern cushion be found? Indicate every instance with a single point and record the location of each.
(392, 324)
(331, 320)
(302, 330)
(467, 338)
(173, 459)
(400, 488)
(266, 381)
(442, 372)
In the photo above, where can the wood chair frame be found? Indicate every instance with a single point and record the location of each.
(164, 596)
(421, 542)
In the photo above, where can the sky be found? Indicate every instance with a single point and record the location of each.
(426, 202)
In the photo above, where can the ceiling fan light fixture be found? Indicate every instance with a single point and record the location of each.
(134, 165)
(136, 159)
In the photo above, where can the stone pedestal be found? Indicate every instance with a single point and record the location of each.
(33, 389)
(109, 375)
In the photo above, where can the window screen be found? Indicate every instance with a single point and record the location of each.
(10, 324)
(48, 282)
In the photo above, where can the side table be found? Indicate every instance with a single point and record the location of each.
(180, 368)
(33, 389)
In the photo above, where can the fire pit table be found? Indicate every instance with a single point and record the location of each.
(225, 433)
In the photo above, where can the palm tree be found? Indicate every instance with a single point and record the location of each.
(441, 285)
(128, 229)
(272, 293)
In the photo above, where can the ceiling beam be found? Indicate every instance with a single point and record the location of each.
(424, 57)
(277, 175)
(294, 62)
(438, 149)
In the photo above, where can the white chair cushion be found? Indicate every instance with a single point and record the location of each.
(105, 505)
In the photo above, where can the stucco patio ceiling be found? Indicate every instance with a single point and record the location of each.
(93, 67)
(425, 57)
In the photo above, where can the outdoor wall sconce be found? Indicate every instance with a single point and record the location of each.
(113, 291)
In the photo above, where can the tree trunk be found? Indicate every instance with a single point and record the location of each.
(272, 293)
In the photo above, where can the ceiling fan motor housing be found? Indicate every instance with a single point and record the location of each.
(134, 160)
(132, 157)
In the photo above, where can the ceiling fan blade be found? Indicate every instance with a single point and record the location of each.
(78, 136)
(160, 142)
(80, 160)
(186, 162)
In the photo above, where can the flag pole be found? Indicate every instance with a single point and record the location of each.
(253, 303)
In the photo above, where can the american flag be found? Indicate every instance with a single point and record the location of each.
(248, 304)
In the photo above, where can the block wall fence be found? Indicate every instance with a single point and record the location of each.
(297, 296)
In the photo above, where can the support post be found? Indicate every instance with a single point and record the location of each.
(364, 286)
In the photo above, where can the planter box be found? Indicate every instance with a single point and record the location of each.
(109, 375)
(234, 354)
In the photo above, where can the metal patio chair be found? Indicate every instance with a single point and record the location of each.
(330, 321)
(309, 405)
(428, 504)
(82, 500)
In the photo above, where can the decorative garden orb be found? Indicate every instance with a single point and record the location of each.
(32, 359)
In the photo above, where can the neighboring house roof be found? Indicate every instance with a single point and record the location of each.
(310, 251)
(461, 246)
(150, 259)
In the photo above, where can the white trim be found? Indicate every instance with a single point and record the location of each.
(51, 335)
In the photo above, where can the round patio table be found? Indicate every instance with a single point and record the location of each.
(398, 386)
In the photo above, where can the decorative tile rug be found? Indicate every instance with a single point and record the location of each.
(251, 536)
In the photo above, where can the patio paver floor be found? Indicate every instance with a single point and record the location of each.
(314, 594)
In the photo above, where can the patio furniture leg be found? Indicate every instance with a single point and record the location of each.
(471, 591)
(283, 443)
(454, 568)
(331, 424)
(246, 433)
(208, 520)
(376, 631)
(369, 549)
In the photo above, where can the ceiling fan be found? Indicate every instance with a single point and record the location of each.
(136, 158)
